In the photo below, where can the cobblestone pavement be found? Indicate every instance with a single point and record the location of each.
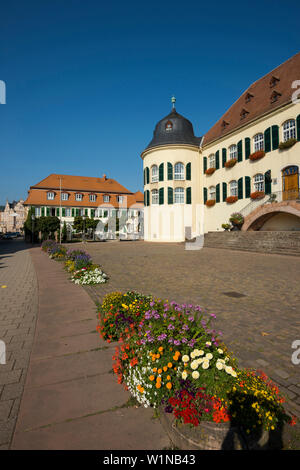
(255, 296)
(18, 311)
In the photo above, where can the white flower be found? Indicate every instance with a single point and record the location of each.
(205, 365)
(208, 343)
(184, 375)
(219, 365)
(228, 369)
(209, 356)
(185, 358)
(193, 355)
(195, 374)
(194, 365)
(220, 351)
(201, 352)
(233, 373)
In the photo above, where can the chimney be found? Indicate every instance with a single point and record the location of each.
(104, 177)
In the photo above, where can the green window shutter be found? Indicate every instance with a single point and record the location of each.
(188, 171)
(77, 212)
(204, 164)
(63, 212)
(224, 191)
(170, 171)
(57, 212)
(73, 212)
(217, 160)
(247, 186)
(105, 214)
(240, 188)
(218, 193)
(147, 175)
(43, 211)
(161, 172)
(247, 148)
(298, 127)
(275, 137)
(48, 211)
(144, 176)
(188, 195)
(268, 182)
(240, 151)
(145, 202)
(204, 195)
(86, 212)
(92, 213)
(267, 136)
(161, 196)
(224, 157)
(170, 195)
(148, 197)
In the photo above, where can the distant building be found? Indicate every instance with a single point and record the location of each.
(67, 196)
(13, 216)
(248, 162)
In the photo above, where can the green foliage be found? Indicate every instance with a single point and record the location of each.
(48, 226)
(64, 232)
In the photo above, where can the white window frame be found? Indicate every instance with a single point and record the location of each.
(106, 198)
(289, 130)
(258, 142)
(120, 198)
(50, 195)
(93, 197)
(179, 196)
(78, 197)
(233, 188)
(68, 212)
(212, 160)
(154, 197)
(259, 182)
(233, 152)
(212, 192)
(179, 171)
(37, 211)
(154, 173)
(64, 196)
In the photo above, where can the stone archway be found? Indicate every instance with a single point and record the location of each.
(257, 218)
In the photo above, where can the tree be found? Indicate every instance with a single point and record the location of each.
(64, 232)
(78, 223)
(31, 226)
(48, 226)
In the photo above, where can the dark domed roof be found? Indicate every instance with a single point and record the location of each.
(173, 129)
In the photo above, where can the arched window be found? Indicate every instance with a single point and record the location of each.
(289, 130)
(154, 198)
(179, 171)
(154, 173)
(258, 140)
(179, 195)
(259, 182)
(212, 192)
(212, 161)
(232, 152)
(233, 188)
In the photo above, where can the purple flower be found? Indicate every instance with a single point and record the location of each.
(171, 327)
(152, 303)
(184, 340)
(191, 318)
(162, 337)
(170, 340)
(213, 315)
(172, 318)
(176, 342)
(185, 327)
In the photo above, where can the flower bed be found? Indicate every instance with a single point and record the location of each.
(169, 355)
(210, 202)
(231, 199)
(257, 155)
(230, 163)
(77, 262)
(257, 195)
(210, 171)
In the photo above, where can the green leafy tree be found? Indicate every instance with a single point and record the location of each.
(48, 226)
(31, 226)
(78, 223)
(64, 232)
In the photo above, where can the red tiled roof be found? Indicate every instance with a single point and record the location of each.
(257, 99)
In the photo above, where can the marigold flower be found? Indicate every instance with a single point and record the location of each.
(169, 385)
(165, 368)
(160, 349)
(158, 385)
(151, 378)
(170, 364)
(159, 371)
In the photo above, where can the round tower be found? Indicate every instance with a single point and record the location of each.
(171, 167)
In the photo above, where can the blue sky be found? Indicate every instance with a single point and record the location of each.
(88, 80)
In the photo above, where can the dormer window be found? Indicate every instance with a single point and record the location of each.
(120, 198)
(93, 197)
(275, 96)
(224, 124)
(64, 196)
(169, 126)
(50, 195)
(274, 81)
(78, 197)
(105, 198)
(248, 97)
(244, 113)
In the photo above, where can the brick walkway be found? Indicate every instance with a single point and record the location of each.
(255, 296)
(18, 312)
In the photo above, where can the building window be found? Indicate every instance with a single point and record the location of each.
(259, 182)
(179, 171)
(120, 198)
(154, 198)
(179, 196)
(169, 126)
(212, 192)
(93, 197)
(232, 152)
(106, 198)
(98, 213)
(37, 211)
(64, 196)
(258, 140)
(78, 197)
(68, 212)
(289, 130)
(233, 188)
(154, 174)
(50, 195)
(212, 161)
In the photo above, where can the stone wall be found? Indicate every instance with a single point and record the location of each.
(285, 243)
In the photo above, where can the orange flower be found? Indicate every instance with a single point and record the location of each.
(169, 385)
(170, 364)
(165, 368)
(151, 378)
(157, 356)
(161, 349)
(154, 370)
(159, 371)
(168, 377)
(158, 385)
